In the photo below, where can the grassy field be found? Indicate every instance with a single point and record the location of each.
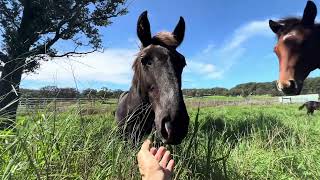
(234, 142)
(231, 98)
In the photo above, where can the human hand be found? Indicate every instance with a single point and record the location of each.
(155, 163)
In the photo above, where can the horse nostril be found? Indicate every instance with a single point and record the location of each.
(291, 88)
(166, 128)
(293, 84)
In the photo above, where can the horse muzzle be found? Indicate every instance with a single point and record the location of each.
(172, 131)
(289, 87)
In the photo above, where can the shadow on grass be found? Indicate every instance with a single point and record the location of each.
(237, 129)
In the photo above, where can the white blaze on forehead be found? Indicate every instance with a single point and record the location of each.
(290, 34)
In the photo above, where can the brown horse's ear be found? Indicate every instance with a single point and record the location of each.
(309, 14)
(275, 26)
(143, 29)
(179, 31)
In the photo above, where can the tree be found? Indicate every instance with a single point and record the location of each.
(89, 93)
(104, 93)
(68, 93)
(31, 29)
(49, 91)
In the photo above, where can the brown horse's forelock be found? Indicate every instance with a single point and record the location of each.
(165, 39)
(290, 23)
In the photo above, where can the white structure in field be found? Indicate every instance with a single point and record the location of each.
(299, 98)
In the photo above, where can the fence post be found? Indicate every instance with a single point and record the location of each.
(27, 104)
(55, 108)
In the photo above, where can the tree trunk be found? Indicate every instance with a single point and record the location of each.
(9, 97)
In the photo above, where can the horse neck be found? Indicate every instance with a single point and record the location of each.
(316, 38)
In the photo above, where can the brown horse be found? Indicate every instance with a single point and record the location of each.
(155, 98)
(298, 49)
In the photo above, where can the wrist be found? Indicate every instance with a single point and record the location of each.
(157, 175)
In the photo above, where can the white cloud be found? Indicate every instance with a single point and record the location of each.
(114, 65)
(247, 31)
(203, 69)
(111, 66)
(214, 61)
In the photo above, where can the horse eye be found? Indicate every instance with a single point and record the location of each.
(292, 42)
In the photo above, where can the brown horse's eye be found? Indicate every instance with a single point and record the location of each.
(292, 42)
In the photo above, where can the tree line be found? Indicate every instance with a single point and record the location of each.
(311, 85)
(56, 92)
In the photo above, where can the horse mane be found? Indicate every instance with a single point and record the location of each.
(137, 71)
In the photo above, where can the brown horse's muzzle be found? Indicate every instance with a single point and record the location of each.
(290, 87)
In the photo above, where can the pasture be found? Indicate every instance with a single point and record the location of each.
(224, 142)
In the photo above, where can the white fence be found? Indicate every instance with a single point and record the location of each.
(299, 98)
(62, 104)
(216, 102)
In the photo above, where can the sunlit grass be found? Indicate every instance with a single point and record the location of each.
(235, 142)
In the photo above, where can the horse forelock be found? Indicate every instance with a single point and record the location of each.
(165, 38)
(290, 23)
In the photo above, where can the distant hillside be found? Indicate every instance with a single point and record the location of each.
(311, 85)
(56, 92)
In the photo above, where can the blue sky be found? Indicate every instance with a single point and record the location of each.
(227, 42)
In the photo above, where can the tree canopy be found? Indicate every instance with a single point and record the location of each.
(36, 25)
(30, 29)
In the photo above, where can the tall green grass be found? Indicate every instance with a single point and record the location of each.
(246, 142)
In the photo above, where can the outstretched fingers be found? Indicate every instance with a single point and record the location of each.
(161, 151)
(170, 165)
(165, 159)
(153, 151)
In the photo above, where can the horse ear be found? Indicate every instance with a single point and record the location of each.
(179, 31)
(309, 14)
(275, 26)
(143, 29)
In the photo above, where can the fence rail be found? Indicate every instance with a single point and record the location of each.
(63, 104)
(215, 102)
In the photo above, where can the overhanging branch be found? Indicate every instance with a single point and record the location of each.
(6, 13)
(73, 53)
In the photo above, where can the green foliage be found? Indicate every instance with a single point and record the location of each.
(31, 28)
(245, 142)
(311, 85)
(56, 92)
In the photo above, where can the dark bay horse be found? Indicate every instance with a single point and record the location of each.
(155, 98)
(298, 49)
(311, 106)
